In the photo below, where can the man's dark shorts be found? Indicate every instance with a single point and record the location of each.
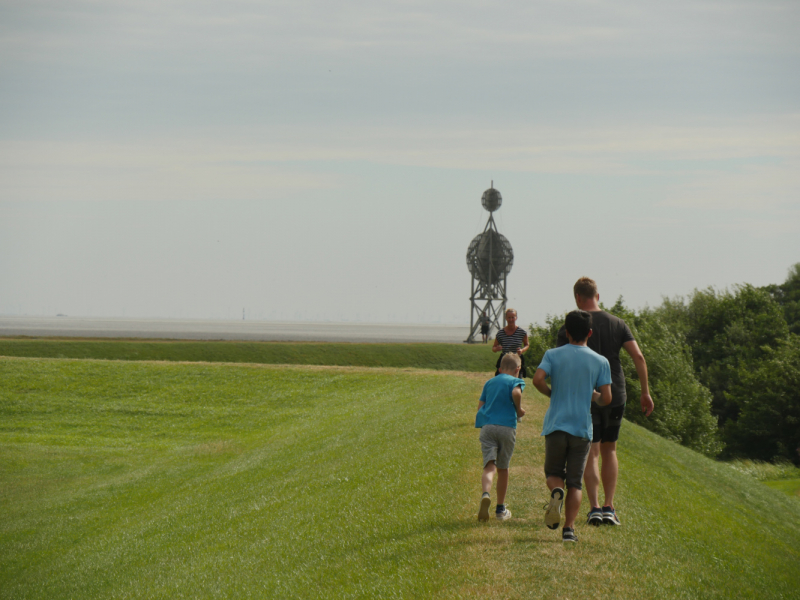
(565, 457)
(606, 421)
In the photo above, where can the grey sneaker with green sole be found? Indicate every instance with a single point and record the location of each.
(552, 515)
(486, 502)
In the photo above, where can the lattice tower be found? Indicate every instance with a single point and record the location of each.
(489, 259)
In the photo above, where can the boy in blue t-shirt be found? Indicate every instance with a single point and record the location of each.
(498, 411)
(575, 371)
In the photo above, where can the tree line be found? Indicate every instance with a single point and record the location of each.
(724, 368)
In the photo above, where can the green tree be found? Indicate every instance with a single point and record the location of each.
(787, 295)
(726, 331)
(682, 404)
(768, 396)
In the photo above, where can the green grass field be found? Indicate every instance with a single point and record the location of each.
(477, 358)
(154, 480)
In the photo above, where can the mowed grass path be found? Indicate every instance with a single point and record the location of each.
(156, 480)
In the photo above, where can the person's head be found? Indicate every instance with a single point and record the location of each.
(510, 364)
(579, 325)
(511, 315)
(585, 290)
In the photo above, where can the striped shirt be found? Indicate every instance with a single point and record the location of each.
(513, 342)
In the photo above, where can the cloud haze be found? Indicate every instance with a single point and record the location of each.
(310, 160)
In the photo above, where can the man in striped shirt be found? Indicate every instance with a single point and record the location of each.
(511, 339)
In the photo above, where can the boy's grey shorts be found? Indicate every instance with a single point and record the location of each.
(565, 457)
(497, 444)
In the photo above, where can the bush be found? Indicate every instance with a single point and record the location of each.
(682, 404)
(768, 396)
(727, 330)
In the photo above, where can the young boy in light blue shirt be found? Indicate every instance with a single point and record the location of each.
(498, 411)
(576, 372)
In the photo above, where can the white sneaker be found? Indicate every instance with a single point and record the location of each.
(552, 515)
(506, 514)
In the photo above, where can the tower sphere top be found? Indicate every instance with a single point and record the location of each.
(491, 199)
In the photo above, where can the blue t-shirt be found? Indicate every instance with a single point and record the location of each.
(498, 408)
(575, 372)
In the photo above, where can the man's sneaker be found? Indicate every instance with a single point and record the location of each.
(610, 516)
(552, 515)
(595, 517)
(483, 513)
(502, 516)
(568, 535)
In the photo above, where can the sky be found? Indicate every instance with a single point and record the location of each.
(324, 161)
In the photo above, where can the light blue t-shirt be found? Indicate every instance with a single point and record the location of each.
(499, 408)
(575, 372)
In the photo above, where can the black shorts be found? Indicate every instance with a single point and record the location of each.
(606, 421)
(522, 372)
(484, 330)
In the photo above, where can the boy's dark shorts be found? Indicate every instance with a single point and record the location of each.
(606, 421)
(565, 457)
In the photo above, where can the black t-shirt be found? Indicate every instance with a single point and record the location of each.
(608, 335)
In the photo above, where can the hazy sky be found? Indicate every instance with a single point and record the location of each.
(311, 160)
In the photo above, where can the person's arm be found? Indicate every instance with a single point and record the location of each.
(497, 346)
(603, 398)
(632, 348)
(480, 404)
(525, 346)
(516, 396)
(539, 382)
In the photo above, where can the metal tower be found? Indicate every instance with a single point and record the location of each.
(489, 259)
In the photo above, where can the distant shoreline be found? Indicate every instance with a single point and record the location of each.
(208, 329)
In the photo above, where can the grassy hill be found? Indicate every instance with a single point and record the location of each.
(477, 358)
(142, 480)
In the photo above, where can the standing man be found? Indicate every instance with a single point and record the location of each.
(511, 339)
(610, 335)
(484, 321)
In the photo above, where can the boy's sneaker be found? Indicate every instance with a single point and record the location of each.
(568, 535)
(483, 513)
(552, 516)
(610, 516)
(595, 517)
(503, 515)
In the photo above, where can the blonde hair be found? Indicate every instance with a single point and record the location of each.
(510, 362)
(514, 310)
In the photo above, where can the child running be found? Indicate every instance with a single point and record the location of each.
(576, 372)
(498, 410)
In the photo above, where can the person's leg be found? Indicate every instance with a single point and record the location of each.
(572, 506)
(502, 485)
(591, 476)
(488, 477)
(555, 482)
(577, 456)
(609, 471)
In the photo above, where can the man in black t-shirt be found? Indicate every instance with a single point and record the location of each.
(610, 335)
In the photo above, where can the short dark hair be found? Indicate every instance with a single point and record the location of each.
(578, 324)
(585, 288)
